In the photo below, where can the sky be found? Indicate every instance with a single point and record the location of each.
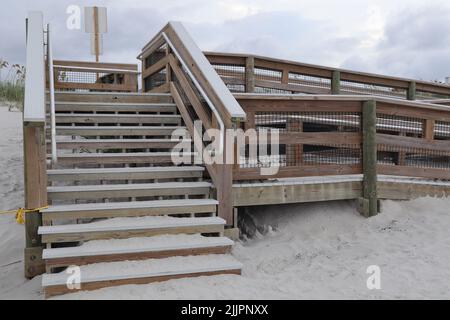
(407, 38)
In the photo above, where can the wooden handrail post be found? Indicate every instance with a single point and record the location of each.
(336, 82)
(369, 202)
(411, 93)
(250, 74)
(35, 195)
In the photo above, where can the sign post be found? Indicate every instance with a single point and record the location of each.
(96, 25)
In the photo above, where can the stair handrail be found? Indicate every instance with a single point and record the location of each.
(232, 109)
(51, 85)
(202, 92)
(34, 100)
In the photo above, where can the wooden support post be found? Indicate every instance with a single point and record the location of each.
(411, 93)
(96, 36)
(429, 129)
(369, 118)
(294, 152)
(285, 76)
(168, 70)
(224, 185)
(336, 82)
(250, 74)
(35, 195)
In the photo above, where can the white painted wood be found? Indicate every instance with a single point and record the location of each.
(115, 104)
(123, 170)
(137, 245)
(132, 205)
(114, 93)
(223, 93)
(126, 224)
(129, 187)
(34, 103)
(51, 82)
(147, 268)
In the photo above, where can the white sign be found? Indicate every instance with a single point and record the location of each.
(89, 20)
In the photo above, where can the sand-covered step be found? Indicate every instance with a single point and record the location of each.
(130, 173)
(112, 97)
(118, 118)
(169, 108)
(126, 157)
(128, 190)
(94, 144)
(157, 247)
(117, 130)
(129, 209)
(122, 228)
(100, 275)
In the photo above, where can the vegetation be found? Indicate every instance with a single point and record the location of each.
(12, 80)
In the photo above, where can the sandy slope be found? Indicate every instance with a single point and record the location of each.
(12, 240)
(322, 251)
(311, 250)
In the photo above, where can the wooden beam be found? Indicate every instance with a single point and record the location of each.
(336, 82)
(299, 171)
(411, 92)
(250, 74)
(35, 195)
(369, 119)
(429, 129)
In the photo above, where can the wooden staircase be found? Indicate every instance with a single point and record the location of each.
(120, 209)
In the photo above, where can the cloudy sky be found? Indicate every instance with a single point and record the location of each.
(408, 38)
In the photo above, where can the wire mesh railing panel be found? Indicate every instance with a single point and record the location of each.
(421, 95)
(399, 125)
(306, 152)
(322, 155)
(155, 56)
(309, 121)
(155, 80)
(268, 74)
(230, 71)
(413, 157)
(81, 77)
(271, 91)
(350, 87)
(442, 130)
(309, 81)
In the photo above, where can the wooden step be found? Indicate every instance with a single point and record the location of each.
(128, 209)
(139, 173)
(117, 130)
(128, 190)
(157, 247)
(118, 118)
(115, 107)
(112, 97)
(96, 276)
(122, 158)
(122, 228)
(94, 144)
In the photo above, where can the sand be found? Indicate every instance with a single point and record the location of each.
(310, 251)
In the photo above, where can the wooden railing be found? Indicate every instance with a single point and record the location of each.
(34, 142)
(171, 62)
(340, 135)
(95, 76)
(256, 74)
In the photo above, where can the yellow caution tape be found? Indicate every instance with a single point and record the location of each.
(20, 213)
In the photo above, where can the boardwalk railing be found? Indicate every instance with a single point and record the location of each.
(172, 62)
(34, 142)
(256, 74)
(339, 135)
(95, 76)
